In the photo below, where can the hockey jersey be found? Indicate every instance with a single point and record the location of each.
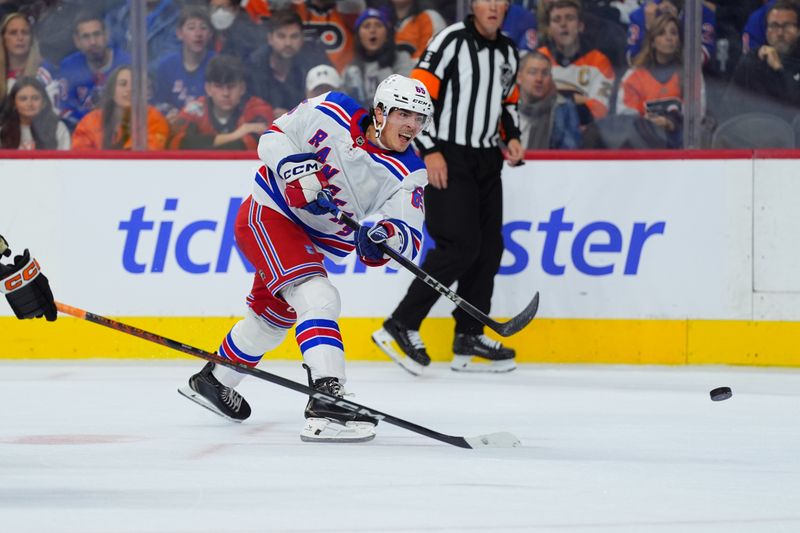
(640, 90)
(364, 179)
(589, 74)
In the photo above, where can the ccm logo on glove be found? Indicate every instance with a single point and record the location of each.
(295, 171)
(21, 278)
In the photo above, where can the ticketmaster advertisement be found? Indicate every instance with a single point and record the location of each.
(609, 240)
(601, 239)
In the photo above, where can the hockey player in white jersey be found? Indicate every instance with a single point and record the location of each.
(327, 151)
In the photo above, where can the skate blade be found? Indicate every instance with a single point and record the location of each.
(494, 440)
(386, 343)
(324, 430)
(187, 392)
(464, 363)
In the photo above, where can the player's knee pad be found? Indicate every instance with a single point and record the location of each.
(317, 304)
(246, 343)
(256, 336)
(315, 297)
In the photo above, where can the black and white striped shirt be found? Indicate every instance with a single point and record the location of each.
(472, 81)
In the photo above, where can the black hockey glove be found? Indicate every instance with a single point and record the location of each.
(26, 288)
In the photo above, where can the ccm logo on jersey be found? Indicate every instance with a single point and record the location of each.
(301, 169)
(21, 278)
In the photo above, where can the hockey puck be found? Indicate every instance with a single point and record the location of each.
(721, 393)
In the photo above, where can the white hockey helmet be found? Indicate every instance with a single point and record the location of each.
(400, 92)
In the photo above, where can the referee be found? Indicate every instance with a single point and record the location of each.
(470, 70)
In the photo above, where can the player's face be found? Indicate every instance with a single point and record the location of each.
(28, 103)
(195, 35)
(535, 78)
(122, 91)
(489, 15)
(17, 37)
(226, 96)
(286, 41)
(400, 129)
(782, 29)
(667, 42)
(373, 35)
(564, 26)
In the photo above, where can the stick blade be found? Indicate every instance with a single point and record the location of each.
(521, 320)
(502, 439)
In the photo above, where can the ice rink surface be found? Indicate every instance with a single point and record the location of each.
(110, 446)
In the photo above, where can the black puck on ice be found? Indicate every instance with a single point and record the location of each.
(721, 393)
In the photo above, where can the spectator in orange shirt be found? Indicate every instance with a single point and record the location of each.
(652, 88)
(331, 23)
(109, 125)
(223, 119)
(415, 26)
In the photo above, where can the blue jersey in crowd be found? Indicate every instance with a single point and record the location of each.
(520, 26)
(174, 86)
(81, 86)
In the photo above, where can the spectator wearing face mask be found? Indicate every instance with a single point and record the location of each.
(234, 33)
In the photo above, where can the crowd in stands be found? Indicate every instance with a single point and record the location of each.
(593, 73)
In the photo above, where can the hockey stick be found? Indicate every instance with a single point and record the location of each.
(505, 329)
(492, 440)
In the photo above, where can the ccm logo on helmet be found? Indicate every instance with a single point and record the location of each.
(22, 277)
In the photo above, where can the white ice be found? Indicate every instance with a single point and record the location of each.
(107, 446)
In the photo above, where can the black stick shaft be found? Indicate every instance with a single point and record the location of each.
(260, 374)
(503, 328)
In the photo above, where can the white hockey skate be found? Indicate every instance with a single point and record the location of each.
(328, 422)
(479, 353)
(403, 346)
(327, 430)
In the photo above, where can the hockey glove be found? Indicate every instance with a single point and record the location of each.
(368, 240)
(26, 288)
(304, 182)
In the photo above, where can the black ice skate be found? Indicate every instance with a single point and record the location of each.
(491, 355)
(327, 422)
(404, 346)
(205, 390)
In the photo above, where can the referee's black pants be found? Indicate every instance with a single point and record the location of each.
(465, 220)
